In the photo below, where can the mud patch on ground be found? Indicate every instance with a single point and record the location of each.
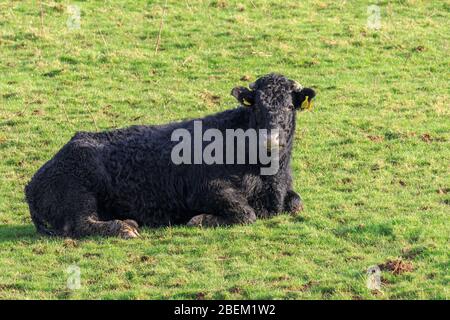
(375, 138)
(210, 99)
(397, 266)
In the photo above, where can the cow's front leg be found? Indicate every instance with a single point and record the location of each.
(223, 207)
(273, 201)
(293, 204)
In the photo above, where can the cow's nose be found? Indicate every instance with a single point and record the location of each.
(273, 141)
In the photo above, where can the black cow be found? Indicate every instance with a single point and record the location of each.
(109, 183)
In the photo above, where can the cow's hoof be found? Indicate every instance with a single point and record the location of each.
(196, 221)
(293, 203)
(129, 229)
(131, 223)
(297, 209)
(204, 220)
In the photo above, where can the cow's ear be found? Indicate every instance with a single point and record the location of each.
(243, 95)
(303, 99)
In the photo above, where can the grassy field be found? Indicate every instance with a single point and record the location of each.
(371, 161)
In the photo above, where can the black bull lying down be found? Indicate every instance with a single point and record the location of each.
(109, 183)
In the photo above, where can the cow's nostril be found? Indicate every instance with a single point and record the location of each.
(273, 141)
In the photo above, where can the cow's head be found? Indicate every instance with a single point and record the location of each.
(273, 100)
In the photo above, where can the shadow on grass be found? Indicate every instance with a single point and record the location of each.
(27, 232)
(18, 232)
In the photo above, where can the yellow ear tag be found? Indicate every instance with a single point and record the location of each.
(305, 104)
(246, 102)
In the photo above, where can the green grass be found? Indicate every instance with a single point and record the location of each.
(371, 162)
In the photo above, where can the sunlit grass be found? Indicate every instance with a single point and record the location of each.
(371, 162)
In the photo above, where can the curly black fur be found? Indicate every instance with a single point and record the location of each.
(98, 182)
